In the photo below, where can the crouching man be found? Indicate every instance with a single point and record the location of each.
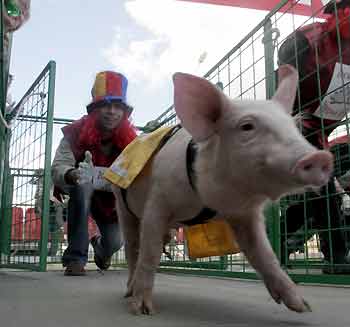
(91, 142)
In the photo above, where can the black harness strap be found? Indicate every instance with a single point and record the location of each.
(206, 213)
(191, 153)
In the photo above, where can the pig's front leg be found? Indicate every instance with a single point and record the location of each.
(153, 228)
(253, 241)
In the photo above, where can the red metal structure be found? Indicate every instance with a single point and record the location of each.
(305, 7)
(32, 226)
(17, 224)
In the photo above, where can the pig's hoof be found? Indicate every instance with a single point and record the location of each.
(128, 294)
(296, 303)
(299, 306)
(129, 289)
(307, 306)
(284, 290)
(141, 305)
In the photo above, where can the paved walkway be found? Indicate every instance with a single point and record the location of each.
(51, 300)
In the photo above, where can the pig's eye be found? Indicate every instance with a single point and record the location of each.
(247, 127)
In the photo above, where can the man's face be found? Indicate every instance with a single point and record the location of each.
(110, 115)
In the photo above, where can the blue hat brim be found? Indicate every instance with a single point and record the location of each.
(108, 100)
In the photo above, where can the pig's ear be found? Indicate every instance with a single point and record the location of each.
(287, 88)
(198, 104)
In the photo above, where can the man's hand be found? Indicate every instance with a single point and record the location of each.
(87, 173)
(86, 169)
(82, 175)
(72, 176)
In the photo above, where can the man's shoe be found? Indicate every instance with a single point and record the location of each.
(102, 263)
(75, 269)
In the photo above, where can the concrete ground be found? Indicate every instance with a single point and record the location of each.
(51, 300)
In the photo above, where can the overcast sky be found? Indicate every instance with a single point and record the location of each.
(147, 40)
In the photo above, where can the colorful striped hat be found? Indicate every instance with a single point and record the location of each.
(109, 87)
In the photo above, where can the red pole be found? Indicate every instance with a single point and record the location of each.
(298, 7)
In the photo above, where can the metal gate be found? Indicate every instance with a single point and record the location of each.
(24, 227)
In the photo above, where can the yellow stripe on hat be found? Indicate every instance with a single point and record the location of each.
(100, 86)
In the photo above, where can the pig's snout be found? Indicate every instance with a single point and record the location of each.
(314, 169)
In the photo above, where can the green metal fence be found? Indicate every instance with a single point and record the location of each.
(24, 227)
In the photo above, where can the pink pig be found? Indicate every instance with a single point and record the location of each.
(247, 152)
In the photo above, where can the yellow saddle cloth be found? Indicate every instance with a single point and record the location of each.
(134, 157)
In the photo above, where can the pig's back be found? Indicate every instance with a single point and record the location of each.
(166, 177)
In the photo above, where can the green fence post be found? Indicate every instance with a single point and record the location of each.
(223, 262)
(269, 59)
(47, 170)
(272, 210)
(272, 214)
(6, 212)
(6, 198)
(4, 72)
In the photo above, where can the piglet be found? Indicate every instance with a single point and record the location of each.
(247, 152)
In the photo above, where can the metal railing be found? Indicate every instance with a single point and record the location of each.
(29, 146)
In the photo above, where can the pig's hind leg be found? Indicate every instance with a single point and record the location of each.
(130, 226)
(253, 241)
(154, 226)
